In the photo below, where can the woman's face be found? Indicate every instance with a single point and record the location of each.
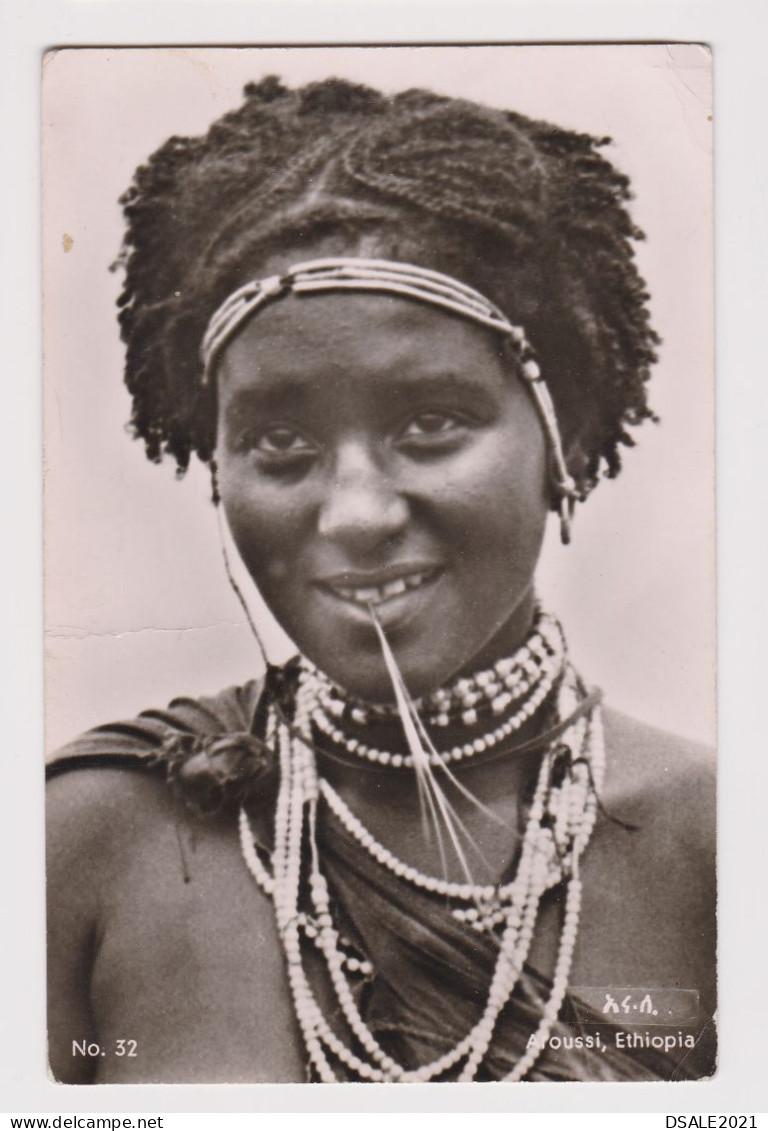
(375, 449)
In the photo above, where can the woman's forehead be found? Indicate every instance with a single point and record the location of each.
(371, 334)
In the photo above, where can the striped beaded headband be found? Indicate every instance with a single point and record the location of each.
(419, 283)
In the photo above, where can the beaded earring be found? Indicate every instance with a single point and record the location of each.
(213, 467)
(565, 511)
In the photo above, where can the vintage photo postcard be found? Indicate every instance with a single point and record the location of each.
(379, 564)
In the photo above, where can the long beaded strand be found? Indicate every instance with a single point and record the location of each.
(574, 810)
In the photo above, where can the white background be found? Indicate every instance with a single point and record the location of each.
(737, 32)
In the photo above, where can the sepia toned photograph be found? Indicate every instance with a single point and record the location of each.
(380, 564)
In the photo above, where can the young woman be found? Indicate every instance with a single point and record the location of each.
(399, 332)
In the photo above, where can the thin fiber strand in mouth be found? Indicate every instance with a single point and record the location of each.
(433, 803)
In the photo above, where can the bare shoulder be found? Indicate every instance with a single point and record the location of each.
(650, 881)
(150, 904)
(95, 803)
(657, 779)
(92, 815)
(104, 823)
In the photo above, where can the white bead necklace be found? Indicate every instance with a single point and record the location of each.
(549, 670)
(559, 825)
(493, 690)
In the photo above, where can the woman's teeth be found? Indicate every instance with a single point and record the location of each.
(375, 594)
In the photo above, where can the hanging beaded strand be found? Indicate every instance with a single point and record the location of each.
(558, 829)
(500, 700)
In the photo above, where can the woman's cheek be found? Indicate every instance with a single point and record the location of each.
(277, 569)
(497, 493)
(259, 535)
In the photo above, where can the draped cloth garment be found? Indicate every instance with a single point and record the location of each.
(431, 972)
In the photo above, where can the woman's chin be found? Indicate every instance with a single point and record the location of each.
(368, 680)
(429, 652)
(369, 686)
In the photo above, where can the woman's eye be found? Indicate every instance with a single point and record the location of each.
(277, 441)
(431, 424)
(282, 440)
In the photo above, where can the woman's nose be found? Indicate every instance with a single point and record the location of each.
(362, 507)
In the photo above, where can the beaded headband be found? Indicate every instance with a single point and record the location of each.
(419, 283)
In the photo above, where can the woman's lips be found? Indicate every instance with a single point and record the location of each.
(378, 589)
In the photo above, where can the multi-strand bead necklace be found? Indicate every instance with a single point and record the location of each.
(557, 830)
(499, 700)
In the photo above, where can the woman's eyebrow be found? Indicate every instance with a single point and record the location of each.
(439, 381)
(284, 394)
(268, 396)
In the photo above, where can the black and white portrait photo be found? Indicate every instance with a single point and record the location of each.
(380, 564)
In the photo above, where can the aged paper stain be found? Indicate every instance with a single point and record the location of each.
(67, 242)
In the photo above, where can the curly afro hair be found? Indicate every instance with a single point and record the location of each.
(530, 214)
